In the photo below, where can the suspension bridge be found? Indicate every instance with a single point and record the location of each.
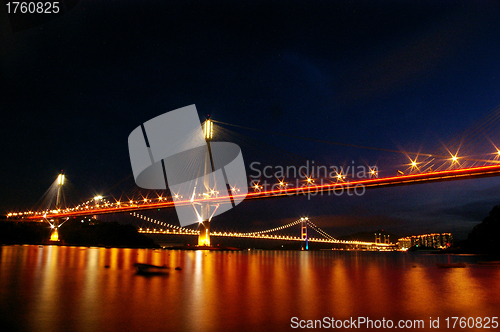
(445, 165)
(306, 227)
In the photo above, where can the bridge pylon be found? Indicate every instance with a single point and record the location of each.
(206, 214)
(54, 225)
(303, 232)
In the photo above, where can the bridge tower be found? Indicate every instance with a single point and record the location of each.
(204, 226)
(303, 232)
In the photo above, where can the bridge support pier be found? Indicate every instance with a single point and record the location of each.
(204, 227)
(54, 233)
(204, 237)
(207, 212)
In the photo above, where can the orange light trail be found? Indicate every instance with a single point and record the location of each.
(437, 176)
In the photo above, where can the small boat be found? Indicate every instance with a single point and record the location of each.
(489, 262)
(149, 269)
(451, 265)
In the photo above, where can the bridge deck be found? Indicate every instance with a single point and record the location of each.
(439, 176)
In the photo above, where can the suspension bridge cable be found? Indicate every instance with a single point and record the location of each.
(323, 235)
(161, 223)
(319, 230)
(277, 228)
(351, 145)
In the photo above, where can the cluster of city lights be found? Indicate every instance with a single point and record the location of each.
(436, 240)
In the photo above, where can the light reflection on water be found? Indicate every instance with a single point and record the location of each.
(96, 289)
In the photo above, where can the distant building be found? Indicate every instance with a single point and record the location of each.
(434, 240)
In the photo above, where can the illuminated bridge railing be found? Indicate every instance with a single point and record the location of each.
(161, 202)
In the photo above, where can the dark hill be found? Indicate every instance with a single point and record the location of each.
(485, 237)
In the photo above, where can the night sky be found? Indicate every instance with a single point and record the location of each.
(393, 75)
